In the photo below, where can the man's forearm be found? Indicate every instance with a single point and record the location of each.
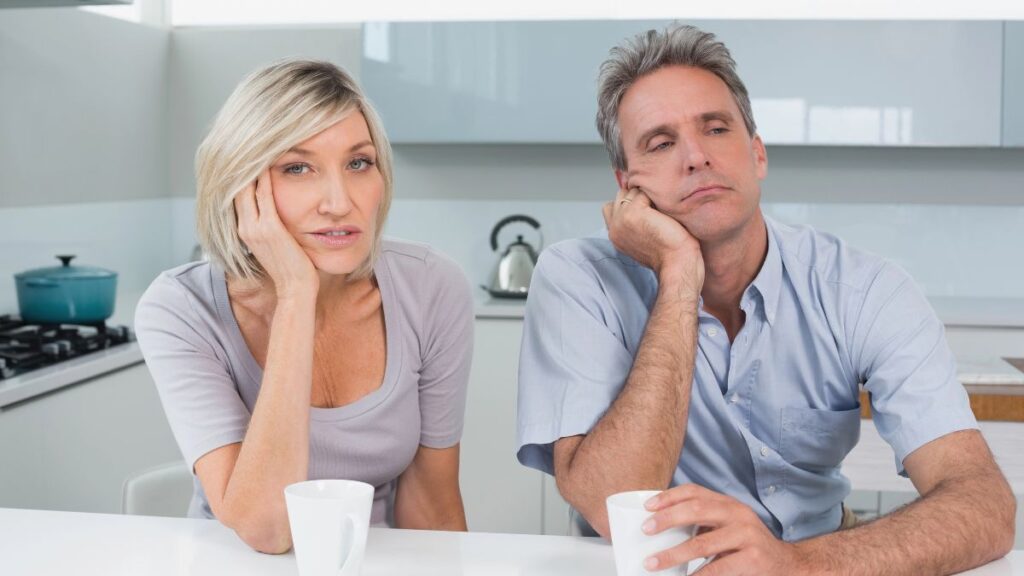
(636, 445)
(955, 527)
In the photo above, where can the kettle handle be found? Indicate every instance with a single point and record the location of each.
(508, 220)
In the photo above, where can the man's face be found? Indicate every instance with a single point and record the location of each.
(687, 148)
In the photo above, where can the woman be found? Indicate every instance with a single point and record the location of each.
(308, 347)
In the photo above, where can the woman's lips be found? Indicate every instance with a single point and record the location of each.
(335, 240)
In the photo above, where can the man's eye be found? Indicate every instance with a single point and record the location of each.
(719, 130)
(296, 168)
(662, 146)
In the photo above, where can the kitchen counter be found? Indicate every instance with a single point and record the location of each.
(67, 373)
(43, 542)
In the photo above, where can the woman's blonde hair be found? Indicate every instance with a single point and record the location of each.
(271, 111)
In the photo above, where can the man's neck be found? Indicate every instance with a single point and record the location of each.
(730, 265)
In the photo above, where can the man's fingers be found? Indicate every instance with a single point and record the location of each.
(700, 512)
(678, 494)
(702, 546)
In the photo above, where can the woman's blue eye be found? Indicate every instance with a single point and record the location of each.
(296, 169)
(360, 164)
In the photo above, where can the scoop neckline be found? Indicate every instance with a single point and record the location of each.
(392, 338)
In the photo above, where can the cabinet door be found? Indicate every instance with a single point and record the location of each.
(1013, 85)
(811, 82)
(499, 494)
(74, 448)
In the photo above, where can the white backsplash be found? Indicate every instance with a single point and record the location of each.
(971, 252)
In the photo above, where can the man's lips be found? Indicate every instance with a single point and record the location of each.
(704, 191)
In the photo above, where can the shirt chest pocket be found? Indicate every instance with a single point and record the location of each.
(816, 439)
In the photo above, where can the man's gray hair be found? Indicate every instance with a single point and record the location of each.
(676, 45)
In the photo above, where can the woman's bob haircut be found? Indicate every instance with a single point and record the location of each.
(271, 111)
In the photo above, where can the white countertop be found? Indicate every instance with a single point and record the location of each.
(74, 543)
(67, 373)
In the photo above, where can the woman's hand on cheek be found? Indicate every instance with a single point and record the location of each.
(262, 231)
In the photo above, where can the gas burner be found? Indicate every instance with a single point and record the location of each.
(26, 346)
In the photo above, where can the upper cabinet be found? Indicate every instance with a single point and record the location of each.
(811, 82)
(1013, 85)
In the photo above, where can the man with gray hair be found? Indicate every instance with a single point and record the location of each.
(703, 349)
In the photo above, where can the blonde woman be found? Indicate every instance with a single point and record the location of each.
(308, 347)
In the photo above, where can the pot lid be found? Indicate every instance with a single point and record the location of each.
(67, 272)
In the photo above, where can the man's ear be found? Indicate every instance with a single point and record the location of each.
(620, 177)
(760, 157)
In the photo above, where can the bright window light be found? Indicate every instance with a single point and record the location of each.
(274, 12)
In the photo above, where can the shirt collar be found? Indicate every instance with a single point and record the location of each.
(768, 282)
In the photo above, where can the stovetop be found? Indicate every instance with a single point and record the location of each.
(26, 346)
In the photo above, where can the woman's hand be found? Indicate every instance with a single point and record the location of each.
(260, 227)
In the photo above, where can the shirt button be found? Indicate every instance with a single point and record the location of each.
(734, 398)
(764, 450)
(712, 332)
(771, 489)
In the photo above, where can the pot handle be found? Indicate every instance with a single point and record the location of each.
(41, 283)
(508, 220)
(65, 260)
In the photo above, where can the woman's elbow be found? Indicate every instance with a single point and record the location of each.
(267, 541)
(260, 532)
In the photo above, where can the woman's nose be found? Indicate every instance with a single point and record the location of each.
(335, 199)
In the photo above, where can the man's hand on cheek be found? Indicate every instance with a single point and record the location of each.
(654, 239)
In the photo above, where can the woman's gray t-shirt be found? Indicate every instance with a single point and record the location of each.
(208, 379)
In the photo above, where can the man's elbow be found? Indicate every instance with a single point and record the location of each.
(1008, 532)
(588, 504)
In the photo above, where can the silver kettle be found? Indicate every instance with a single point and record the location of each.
(511, 276)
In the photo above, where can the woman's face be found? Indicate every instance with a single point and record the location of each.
(327, 190)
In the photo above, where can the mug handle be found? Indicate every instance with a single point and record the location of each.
(357, 532)
(704, 562)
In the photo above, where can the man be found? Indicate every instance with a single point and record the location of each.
(705, 347)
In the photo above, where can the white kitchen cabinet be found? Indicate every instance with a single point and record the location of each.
(73, 448)
(811, 82)
(499, 494)
(1013, 84)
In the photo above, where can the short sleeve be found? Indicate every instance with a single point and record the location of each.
(571, 364)
(447, 352)
(901, 355)
(198, 394)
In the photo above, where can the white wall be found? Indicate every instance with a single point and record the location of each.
(82, 108)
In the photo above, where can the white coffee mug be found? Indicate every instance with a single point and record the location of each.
(329, 520)
(631, 545)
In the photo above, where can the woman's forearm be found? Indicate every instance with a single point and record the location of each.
(275, 451)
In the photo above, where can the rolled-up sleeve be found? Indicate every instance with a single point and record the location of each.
(572, 363)
(907, 367)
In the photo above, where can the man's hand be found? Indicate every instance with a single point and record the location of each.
(654, 239)
(730, 530)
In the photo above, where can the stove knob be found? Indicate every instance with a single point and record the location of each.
(65, 347)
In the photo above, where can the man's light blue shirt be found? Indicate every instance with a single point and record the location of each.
(773, 413)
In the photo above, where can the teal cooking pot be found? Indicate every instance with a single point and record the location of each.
(66, 294)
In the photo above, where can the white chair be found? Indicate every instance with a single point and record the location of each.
(163, 490)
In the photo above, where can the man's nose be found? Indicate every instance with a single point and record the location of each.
(696, 157)
(335, 198)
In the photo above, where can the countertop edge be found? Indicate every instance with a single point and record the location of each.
(68, 373)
